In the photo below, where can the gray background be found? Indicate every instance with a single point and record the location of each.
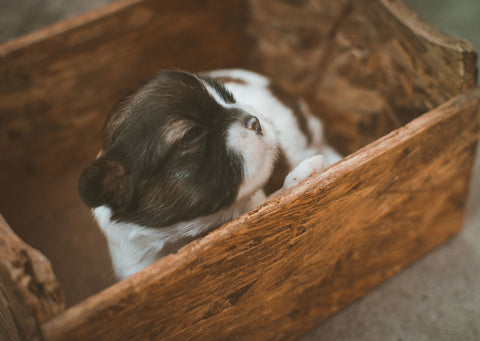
(438, 297)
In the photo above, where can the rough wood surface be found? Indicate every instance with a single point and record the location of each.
(366, 66)
(57, 85)
(280, 270)
(29, 292)
(50, 217)
(8, 329)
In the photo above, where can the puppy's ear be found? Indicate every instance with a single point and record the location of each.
(105, 181)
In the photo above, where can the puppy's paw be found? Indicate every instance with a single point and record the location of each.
(306, 168)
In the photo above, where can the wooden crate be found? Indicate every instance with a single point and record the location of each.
(396, 95)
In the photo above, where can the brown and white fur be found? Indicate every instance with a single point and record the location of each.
(187, 153)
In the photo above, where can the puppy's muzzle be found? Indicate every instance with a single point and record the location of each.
(252, 123)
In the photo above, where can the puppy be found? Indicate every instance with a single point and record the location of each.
(187, 153)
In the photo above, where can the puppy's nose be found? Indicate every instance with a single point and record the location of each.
(252, 123)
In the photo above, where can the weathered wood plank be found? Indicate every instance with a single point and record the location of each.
(280, 270)
(8, 328)
(367, 67)
(57, 85)
(29, 292)
(52, 218)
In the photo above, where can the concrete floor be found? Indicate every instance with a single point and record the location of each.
(438, 297)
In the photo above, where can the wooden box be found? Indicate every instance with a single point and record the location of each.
(396, 96)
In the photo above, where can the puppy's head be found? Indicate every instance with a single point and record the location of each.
(178, 148)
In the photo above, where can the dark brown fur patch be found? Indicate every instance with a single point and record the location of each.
(280, 170)
(146, 170)
(292, 103)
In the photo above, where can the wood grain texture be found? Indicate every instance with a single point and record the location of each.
(367, 67)
(57, 85)
(51, 217)
(29, 292)
(280, 270)
(8, 329)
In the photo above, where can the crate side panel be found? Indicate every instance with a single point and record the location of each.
(307, 253)
(29, 291)
(366, 67)
(52, 218)
(57, 85)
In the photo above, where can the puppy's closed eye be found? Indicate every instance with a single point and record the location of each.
(193, 135)
(177, 130)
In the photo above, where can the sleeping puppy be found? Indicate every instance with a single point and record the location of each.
(187, 153)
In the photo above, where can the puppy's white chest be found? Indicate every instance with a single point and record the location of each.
(133, 247)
